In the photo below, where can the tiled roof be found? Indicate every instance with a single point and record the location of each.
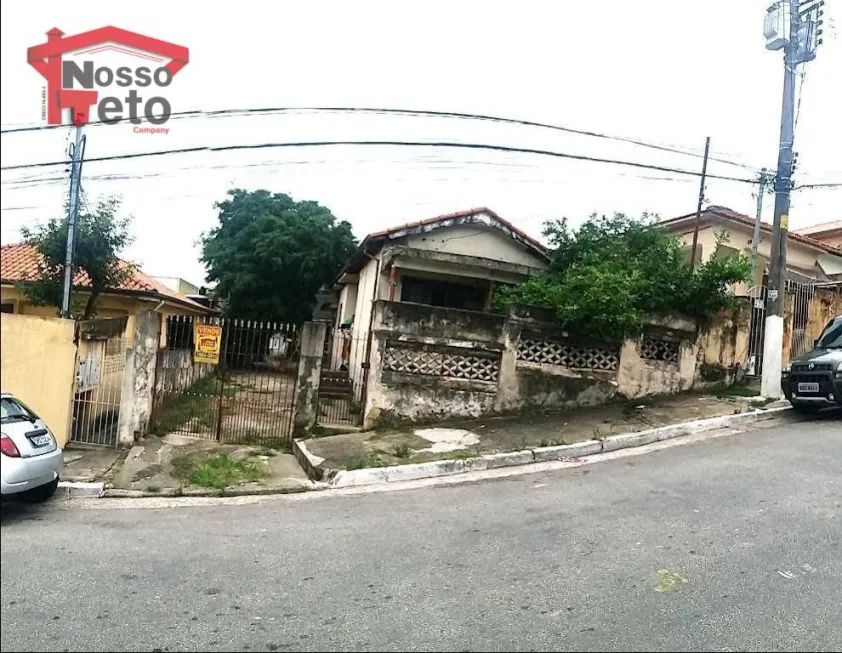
(823, 228)
(729, 214)
(374, 241)
(20, 262)
(462, 214)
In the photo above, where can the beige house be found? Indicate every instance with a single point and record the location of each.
(451, 261)
(19, 263)
(829, 233)
(808, 258)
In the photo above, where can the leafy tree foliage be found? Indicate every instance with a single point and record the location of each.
(269, 254)
(100, 236)
(605, 278)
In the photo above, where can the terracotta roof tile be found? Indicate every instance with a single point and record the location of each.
(462, 214)
(20, 262)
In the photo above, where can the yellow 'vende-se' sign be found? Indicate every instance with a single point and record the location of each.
(207, 341)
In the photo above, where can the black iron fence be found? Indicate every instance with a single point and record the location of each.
(342, 384)
(226, 379)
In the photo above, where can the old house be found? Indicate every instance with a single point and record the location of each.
(808, 258)
(829, 233)
(452, 261)
(19, 263)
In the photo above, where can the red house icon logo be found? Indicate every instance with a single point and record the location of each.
(71, 85)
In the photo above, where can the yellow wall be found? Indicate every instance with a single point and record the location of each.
(798, 255)
(38, 364)
(107, 306)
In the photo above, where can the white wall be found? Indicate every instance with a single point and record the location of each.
(362, 313)
(476, 240)
(346, 309)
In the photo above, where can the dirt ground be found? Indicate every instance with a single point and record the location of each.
(156, 464)
(469, 438)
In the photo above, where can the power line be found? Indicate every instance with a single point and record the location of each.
(408, 112)
(514, 171)
(835, 184)
(444, 144)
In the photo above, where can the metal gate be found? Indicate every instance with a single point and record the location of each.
(342, 383)
(757, 331)
(246, 397)
(802, 301)
(99, 385)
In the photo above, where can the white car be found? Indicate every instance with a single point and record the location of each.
(30, 464)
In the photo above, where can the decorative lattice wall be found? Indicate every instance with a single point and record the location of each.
(574, 357)
(653, 349)
(437, 363)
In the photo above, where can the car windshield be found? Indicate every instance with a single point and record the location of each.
(832, 338)
(14, 411)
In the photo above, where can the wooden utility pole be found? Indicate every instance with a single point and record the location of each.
(699, 205)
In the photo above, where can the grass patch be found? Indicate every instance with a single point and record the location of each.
(221, 472)
(737, 391)
(361, 462)
(402, 450)
(552, 442)
(194, 405)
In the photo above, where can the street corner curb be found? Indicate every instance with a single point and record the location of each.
(357, 477)
(169, 493)
(565, 451)
(310, 463)
(73, 489)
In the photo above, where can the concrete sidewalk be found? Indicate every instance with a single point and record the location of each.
(183, 465)
(470, 439)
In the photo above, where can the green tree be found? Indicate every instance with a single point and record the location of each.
(100, 236)
(269, 254)
(605, 278)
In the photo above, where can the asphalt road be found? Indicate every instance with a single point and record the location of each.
(730, 544)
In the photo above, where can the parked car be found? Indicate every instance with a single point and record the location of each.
(30, 459)
(814, 381)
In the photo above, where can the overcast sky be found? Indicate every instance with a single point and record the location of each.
(661, 71)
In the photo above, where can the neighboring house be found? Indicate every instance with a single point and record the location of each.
(178, 284)
(19, 263)
(454, 261)
(808, 258)
(198, 294)
(829, 233)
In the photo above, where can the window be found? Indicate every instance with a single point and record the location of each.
(443, 293)
(7, 307)
(11, 410)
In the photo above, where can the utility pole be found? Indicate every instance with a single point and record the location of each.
(75, 185)
(793, 26)
(755, 239)
(701, 201)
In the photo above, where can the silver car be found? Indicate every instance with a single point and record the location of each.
(30, 464)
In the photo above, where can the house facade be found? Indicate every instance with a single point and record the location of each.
(808, 258)
(451, 261)
(20, 263)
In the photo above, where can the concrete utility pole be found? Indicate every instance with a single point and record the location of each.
(75, 185)
(794, 26)
(701, 201)
(755, 239)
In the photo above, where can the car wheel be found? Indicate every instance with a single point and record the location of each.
(806, 410)
(40, 493)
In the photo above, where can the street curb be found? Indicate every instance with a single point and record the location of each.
(73, 489)
(571, 452)
(169, 492)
